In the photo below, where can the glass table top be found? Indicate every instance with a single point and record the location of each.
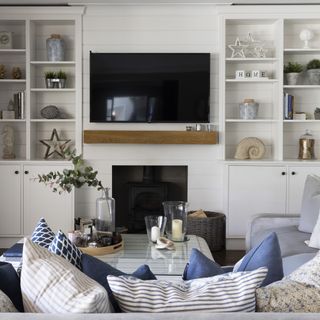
(138, 251)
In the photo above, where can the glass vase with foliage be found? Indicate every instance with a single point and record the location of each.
(83, 175)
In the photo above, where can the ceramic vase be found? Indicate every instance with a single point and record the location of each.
(55, 48)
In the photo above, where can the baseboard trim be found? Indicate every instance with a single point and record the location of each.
(235, 244)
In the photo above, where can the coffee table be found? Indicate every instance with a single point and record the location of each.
(163, 263)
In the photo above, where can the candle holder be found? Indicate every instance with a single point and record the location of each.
(155, 226)
(176, 213)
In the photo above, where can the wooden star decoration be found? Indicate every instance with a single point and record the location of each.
(56, 144)
(237, 49)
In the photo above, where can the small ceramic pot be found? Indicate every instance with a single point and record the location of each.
(292, 78)
(248, 109)
(314, 76)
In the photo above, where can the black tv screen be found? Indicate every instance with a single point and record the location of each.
(149, 87)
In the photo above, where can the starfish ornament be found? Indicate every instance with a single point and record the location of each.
(56, 144)
(237, 49)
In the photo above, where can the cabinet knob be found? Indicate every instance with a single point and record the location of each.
(283, 173)
(26, 172)
(293, 173)
(16, 172)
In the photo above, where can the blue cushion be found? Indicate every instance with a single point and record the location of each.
(99, 270)
(200, 266)
(266, 254)
(10, 284)
(42, 234)
(63, 247)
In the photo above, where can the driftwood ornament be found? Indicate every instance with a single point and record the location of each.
(250, 148)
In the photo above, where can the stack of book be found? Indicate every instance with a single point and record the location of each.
(19, 104)
(288, 106)
(13, 255)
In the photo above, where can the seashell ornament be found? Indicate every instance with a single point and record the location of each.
(164, 243)
(250, 148)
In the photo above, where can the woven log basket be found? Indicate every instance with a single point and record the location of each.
(212, 229)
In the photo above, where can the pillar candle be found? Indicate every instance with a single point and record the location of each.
(155, 233)
(177, 230)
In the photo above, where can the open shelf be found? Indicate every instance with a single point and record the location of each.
(150, 137)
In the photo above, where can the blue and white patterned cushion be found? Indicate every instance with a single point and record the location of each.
(42, 234)
(63, 247)
(229, 292)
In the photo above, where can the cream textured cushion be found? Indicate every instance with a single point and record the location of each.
(6, 304)
(308, 273)
(288, 296)
(230, 292)
(297, 292)
(50, 284)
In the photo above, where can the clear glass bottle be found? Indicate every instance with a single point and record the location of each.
(105, 212)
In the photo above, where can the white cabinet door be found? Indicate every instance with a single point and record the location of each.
(297, 176)
(40, 201)
(10, 196)
(253, 190)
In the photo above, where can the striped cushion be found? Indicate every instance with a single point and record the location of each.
(50, 284)
(42, 234)
(230, 292)
(63, 247)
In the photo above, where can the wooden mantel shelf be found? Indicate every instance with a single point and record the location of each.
(150, 137)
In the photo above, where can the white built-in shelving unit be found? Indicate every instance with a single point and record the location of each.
(24, 200)
(30, 30)
(280, 35)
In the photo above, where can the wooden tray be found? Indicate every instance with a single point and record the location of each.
(101, 251)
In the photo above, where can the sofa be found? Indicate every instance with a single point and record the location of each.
(294, 251)
(292, 230)
(161, 316)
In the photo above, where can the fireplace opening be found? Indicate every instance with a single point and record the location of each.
(140, 190)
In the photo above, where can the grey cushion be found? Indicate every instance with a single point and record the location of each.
(310, 204)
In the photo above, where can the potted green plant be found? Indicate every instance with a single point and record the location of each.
(313, 70)
(49, 76)
(62, 78)
(292, 71)
(81, 175)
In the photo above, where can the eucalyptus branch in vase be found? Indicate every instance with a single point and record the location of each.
(77, 177)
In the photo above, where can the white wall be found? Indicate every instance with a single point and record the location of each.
(164, 28)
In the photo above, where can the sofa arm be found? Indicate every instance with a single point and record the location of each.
(267, 221)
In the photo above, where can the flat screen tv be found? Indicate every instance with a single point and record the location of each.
(149, 87)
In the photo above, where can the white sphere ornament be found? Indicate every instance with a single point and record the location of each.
(306, 35)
